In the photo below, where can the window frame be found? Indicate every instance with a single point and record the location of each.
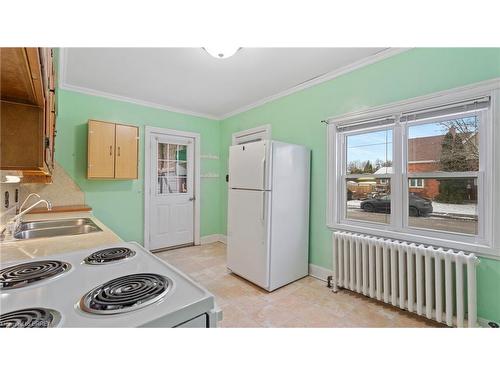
(486, 241)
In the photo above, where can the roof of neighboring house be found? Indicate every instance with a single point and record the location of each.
(384, 170)
(425, 148)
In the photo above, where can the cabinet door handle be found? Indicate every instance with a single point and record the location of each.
(118, 150)
(110, 150)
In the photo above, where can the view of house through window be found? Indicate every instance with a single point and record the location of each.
(441, 173)
(449, 146)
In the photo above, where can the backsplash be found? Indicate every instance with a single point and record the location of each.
(63, 191)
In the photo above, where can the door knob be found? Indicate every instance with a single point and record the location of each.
(191, 199)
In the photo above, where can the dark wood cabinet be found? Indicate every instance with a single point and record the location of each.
(28, 112)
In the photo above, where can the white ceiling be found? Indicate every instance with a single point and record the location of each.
(191, 81)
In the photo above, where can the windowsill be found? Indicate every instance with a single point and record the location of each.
(479, 249)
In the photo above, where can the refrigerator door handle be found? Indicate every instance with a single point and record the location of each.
(263, 217)
(264, 173)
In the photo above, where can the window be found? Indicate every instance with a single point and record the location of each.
(417, 183)
(367, 176)
(419, 172)
(444, 152)
(172, 169)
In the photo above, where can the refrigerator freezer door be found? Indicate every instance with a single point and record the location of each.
(247, 242)
(249, 166)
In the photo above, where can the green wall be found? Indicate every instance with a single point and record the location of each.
(296, 119)
(120, 204)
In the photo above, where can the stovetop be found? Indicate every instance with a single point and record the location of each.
(122, 285)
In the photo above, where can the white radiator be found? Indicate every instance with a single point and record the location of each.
(421, 279)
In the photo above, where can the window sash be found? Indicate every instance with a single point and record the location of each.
(482, 119)
(365, 130)
(341, 199)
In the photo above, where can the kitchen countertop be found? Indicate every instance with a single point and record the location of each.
(19, 250)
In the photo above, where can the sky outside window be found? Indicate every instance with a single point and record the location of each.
(436, 128)
(374, 147)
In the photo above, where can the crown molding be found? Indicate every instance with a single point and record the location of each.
(386, 53)
(144, 103)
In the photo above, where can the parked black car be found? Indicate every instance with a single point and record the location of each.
(418, 206)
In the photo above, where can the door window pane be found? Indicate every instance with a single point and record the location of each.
(172, 169)
(446, 204)
(181, 152)
(369, 153)
(162, 151)
(449, 146)
(368, 199)
(166, 168)
(181, 168)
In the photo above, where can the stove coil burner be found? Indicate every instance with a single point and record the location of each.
(126, 293)
(28, 273)
(30, 318)
(109, 255)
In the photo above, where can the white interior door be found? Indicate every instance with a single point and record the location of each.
(247, 242)
(172, 196)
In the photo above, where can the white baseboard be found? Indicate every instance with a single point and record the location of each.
(213, 238)
(319, 272)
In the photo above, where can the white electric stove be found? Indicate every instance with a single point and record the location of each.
(119, 285)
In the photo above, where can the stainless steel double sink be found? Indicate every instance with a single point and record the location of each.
(53, 228)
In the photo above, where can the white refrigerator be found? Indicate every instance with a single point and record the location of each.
(268, 212)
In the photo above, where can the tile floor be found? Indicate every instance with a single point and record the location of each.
(304, 303)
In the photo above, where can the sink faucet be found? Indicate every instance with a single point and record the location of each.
(13, 223)
(26, 200)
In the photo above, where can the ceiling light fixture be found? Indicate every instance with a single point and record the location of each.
(222, 53)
